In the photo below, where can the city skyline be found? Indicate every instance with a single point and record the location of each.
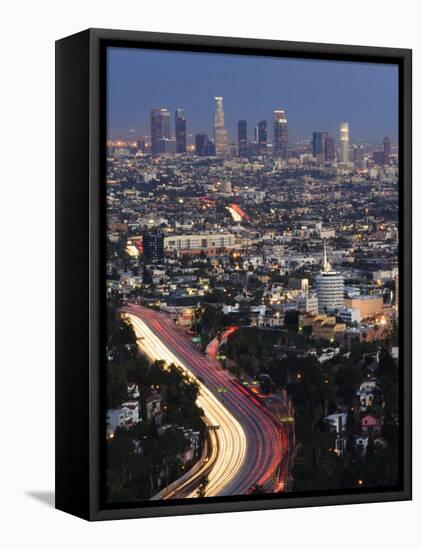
(252, 281)
(345, 91)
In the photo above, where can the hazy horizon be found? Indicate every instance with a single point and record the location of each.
(316, 95)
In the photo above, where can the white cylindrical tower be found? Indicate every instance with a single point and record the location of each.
(330, 288)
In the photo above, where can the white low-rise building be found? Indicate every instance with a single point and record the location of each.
(327, 354)
(125, 416)
(133, 391)
(230, 309)
(337, 421)
(199, 241)
(361, 442)
(307, 302)
(350, 315)
(366, 393)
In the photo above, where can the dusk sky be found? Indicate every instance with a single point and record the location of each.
(316, 95)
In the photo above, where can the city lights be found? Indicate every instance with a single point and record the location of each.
(253, 296)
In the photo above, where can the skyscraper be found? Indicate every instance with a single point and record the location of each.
(180, 130)
(262, 137)
(141, 145)
(318, 145)
(165, 146)
(386, 147)
(280, 134)
(160, 127)
(220, 133)
(330, 149)
(344, 142)
(330, 288)
(242, 138)
(358, 156)
(204, 147)
(153, 246)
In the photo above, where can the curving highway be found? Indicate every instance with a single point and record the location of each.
(247, 447)
(214, 346)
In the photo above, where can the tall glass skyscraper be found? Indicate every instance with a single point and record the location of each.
(203, 146)
(160, 128)
(180, 130)
(281, 135)
(358, 156)
(344, 142)
(318, 144)
(386, 148)
(220, 134)
(262, 137)
(330, 149)
(242, 138)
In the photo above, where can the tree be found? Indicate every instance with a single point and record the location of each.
(202, 488)
(307, 331)
(146, 276)
(348, 377)
(266, 384)
(291, 320)
(393, 333)
(116, 385)
(257, 490)
(211, 319)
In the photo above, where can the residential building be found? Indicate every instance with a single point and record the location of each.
(337, 422)
(370, 424)
(153, 405)
(126, 416)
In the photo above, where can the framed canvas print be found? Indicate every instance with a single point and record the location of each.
(233, 274)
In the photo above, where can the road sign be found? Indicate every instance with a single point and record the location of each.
(287, 419)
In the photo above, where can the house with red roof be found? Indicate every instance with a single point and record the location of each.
(370, 424)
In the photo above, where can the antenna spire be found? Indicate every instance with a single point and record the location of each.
(325, 265)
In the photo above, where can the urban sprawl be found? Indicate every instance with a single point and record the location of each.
(252, 298)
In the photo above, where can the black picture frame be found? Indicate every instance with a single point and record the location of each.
(80, 313)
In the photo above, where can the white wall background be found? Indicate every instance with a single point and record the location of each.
(29, 29)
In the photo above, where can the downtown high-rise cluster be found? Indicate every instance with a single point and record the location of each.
(162, 141)
(324, 147)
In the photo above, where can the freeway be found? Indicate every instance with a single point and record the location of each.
(214, 346)
(247, 446)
